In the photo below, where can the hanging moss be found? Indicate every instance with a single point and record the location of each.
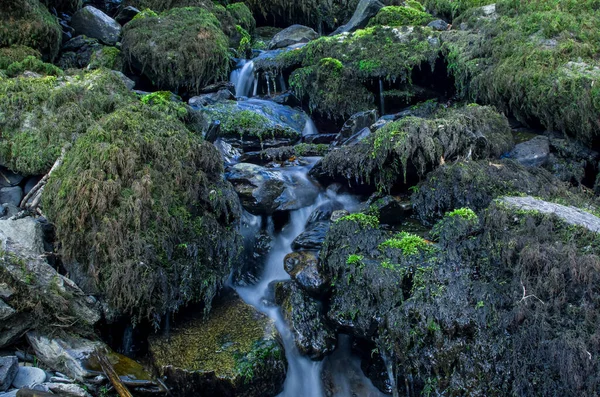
(420, 144)
(181, 49)
(28, 23)
(400, 16)
(141, 205)
(451, 9)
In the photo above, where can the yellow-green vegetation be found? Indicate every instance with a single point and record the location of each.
(365, 221)
(33, 64)
(383, 158)
(107, 57)
(409, 243)
(39, 115)
(536, 59)
(465, 213)
(28, 23)
(354, 259)
(401, 16)
(180, 49)
(16, 53)
(166, 102)
(242, 16)
(164, 5)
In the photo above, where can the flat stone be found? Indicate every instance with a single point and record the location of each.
(71, 390)
(28, 376)
(9, 366)
(26, 232)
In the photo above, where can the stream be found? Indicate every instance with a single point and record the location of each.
(304, 376)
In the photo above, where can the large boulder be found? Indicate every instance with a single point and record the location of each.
(365, 10)
(295, 34)
(92, 22)
(233, 352)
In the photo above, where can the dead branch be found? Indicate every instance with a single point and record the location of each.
(112, 375)
(525, 296)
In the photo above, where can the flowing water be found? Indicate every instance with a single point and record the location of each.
(244, 79)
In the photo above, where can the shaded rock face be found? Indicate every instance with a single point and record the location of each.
(233, 353)
(304, 268)
(533, 153)
(92, 22)
(295, 34)
(365, 10)
(77, 52)
(356, 124)
(304, 315)
(8, 370)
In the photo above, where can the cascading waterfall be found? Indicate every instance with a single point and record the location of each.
(243, 78)
(309, 128)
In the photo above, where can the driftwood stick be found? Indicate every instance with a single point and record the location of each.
(112, 375)
(38, 189)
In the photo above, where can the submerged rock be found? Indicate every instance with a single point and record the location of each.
(234, 352)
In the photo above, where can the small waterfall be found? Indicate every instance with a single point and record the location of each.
(389, 366)
(309, 128)
(381, 98)
(243, 78)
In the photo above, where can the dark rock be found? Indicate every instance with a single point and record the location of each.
(365, 10)
(324, 211)
(211, 98)
(9, 178)
(287, 98)
(77, 52)
(303, 266)
(320, 138)
(213, 131)
(11, 195)
(5, 310)
(571, 161)
(8, 370)
(313, 337)
(533, 153)
(126, 15)
(28, 376)
(228, 152)
(356, 123)
(312, 238)
(257, 187)
(357, 138)
(216, 87)
(294, 34)
(110, 7)
(439, 24)
(130, 84)
(390, 209)
(94, 23)
(30, 183)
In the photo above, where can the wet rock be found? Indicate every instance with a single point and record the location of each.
(258, 187)
(9, 366)
(313, 337)
(11, 195)
(390, 210)
(439, 24)
(70, 390)
(287, 98)
(232, 353)
(211, 98)
(356, 123)
(12, 393)
(126, 15)
(28, 376)
(338, 214)
(532, 153)
(571, 160)
(324, 211)
(357, 138)
(312, 237)
(228, 152)
(9, 178)
(365, 10)
(92, 22)
(77, 52)
(320, 138)
(5, 310)
(303, 266)
(294, 34)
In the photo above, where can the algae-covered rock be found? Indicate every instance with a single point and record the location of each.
(235, 352)
(28, 23)
(180, 49)
(413, 146)
(401, 16)
(140, 206)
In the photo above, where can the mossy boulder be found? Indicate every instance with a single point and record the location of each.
(242, 16)
(183, 49)
(35, 65)
(404, 150)
(475, 184)
(141, 208)
(28, 23)
(107, 57)
(401, 16)
(40, 115)
(234, 352)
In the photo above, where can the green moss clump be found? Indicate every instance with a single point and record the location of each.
(354, 259)
(33, 64)
(450, 9)
(134, 204)
(16, 53)
(181, 49)
(28, 23)
(39, 115)
(421, 143)
(107, 57)
(365, 221)
(465, 213)
(242, 16)
(166, 102)
(299, 150)
(165, 5)
(400, 16)
(409, 243)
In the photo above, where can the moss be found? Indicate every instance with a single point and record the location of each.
(536, 60)
(39, 115)
(242, 16)
(145, 13)
(166, 102)
(107, 57)
(181, 49)
(165, 5)
(141, 218)
(365, 221)
(33, 64)
(298, 150)
(354, 259)
(245, 41)
(465, 213)
(450, 9)
(28, 23)
(420, 144)
(409, 243)
(16, 53)
(400, 16)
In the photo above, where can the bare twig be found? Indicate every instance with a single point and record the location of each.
(525, 296)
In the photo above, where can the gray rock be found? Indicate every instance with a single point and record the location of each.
(320, 138)
(126, 15)
(324, 211)
(312, 238)
(6, 291)
(294, 34)
(357, 138)
(130, 84)
(11, 195)
(5, 310)
(94, 23)
(13, 330)
(356, 123)
(12, 393)
(9, 178)
(258, 187)
(9, 366)
(533, 153)
(30, 183)
(211, 98)
(28, 376)
(228, 152)
(439, 24)
(77, 52)
(570, 215)
(70, 390)
(339, 214)
(26, 232)
(365, 10)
